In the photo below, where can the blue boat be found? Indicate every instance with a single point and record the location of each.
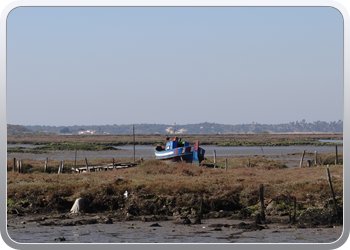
(177, 150)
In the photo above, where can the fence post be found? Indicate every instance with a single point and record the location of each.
(113, 164)
(18, 167)
(302, 158)
(308, 163)
(226, 165)
(87, 166)
(214, 152)
(45, 167)
(315, 157)
(336, 155)
(295, 209)
(14, 164)
(262, 206)
(133, 135)
(59, 168)
(333, 196)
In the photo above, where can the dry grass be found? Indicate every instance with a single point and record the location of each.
(156, 177)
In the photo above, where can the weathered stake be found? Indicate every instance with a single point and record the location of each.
(330, 185)
(133, 135)
(199, 214)
(45, 167)
(87, 166)
(60, 167)
(75, 157)
(225, 164)
(336, 155)
(262, 206)
(18, 167)
(315, 157)
(214, 152)
(308, 163)
(302, 158)
(295, 209)
(113, 164)
(262, 151)
(14, 164)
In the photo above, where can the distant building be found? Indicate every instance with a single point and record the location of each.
(87, 132)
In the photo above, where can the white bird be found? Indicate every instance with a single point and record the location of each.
(126, 194)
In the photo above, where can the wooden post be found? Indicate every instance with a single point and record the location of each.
(295, 209)
(333, 196)
(214, 152)
(262, 206)
(336, 155)
(75, 157)
(199, 213)
(141, 160)
(18, 167)
(21, 166)
(249, 163)
(87, 166)
(308, 163)
(302, 158)
(45, 167)
(133, 134)
(315, 157)
(113, 164)
(59, 168)
(226, 165)
(14, 164)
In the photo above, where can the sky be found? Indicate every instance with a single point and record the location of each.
(132, 65)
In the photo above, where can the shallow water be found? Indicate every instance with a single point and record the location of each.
(146, 152)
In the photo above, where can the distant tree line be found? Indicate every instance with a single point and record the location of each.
(201, 128)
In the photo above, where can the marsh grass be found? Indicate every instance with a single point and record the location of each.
(105, 192)
(204, 139)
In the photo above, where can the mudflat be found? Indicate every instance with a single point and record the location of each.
(106, 228)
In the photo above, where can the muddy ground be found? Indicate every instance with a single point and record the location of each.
(112, 228)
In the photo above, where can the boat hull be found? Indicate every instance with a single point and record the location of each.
(188, 154)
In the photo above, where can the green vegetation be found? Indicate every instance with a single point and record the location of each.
(278, 144)
(66, 146)
(262, 132)
(65, 130)
(78, 146)
(107, 142)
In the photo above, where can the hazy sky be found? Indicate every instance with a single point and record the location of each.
(120, 65)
